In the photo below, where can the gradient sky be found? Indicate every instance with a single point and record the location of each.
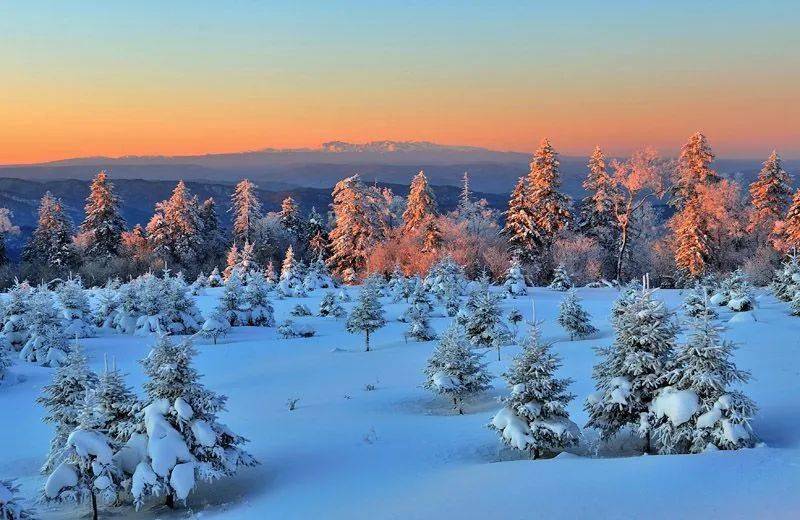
(82, 78)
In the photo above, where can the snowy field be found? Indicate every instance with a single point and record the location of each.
(397, 451)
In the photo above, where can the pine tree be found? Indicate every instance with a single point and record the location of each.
(232, 304)
(213, 237)
(63, 399)
(694, 168)
(247, 212)
(519, 226)
(15, 329)
(46, 344)
(418, 303)
(691, 238)
(696, 304)
(484, 326)
(702, 373)
(185, 441)
(561, 279)
(51, 242)
(454, 370)
(175, 230)
(770, 194)
(108, 301)
(357, 228)
(11, 506)
(790, 232)
(598, 209)
(421, 205)
(291, 281)
(103, 224)
(549, 208)
(214, 279)
(367, 315)
(231, 262)
(535, 418)
(515, 281)
(117, 403)
(467, 210)
(256, 300)
(74, 306)
(787, 279)
(215, 326)
(631, 373)
(290, 217)
(573, 317)
(318, 276)
(330, 307)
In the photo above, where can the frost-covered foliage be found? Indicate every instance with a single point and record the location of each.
(736, 292)
(46, 345)
(240, 260)
(534, 418)
(514, 284)
(574, 318)
(318, 276)
(257, 302)
(215, 279)
(15, 329)
(343, 296)
(397, 284)
(300, 309)
(290, 283)
(215, 326)
(561, 280)
(75, 311)
(107, 303)
(103, 226)
(290, 329)
(787, 279)
(232, 303)
(454, 370)
(632, 370)
(699, 410)
(417, 316)
(63, 399)
(329, 306)
(367, 315)
(11, 505)
(183, 442)
(696, 304)
(164, 306)
(198, 286)
(5, 358)
(627, 296)
(483, 321)
(445, 275)
(418, 304)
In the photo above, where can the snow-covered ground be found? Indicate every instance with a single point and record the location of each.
(397, 451)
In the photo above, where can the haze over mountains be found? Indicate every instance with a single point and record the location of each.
(392, 162)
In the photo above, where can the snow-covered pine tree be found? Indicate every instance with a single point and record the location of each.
(107, 303)
(213, 237)
(770, 194)
(231, 262)
(693, 169)
(181, 315)
(574, 318)
(257, 302)
(632, 370)
(301, 310)
(247, 212)
(232, 303)
(561, 279)
(175, 231)
(696, 304)
(290, 283)
(420, 206)
(699, 410)
(691, 240)
(598, 217)
(62, 400)
(790, 230)
(198, 286)
(75, 311)
(535, 418)
(51, 242)
(215, 326)
(514, 284)
(484, 325)
(46, 344)
(514, 317)
(103, 225)
(419, 327)
(214, 279)
(397, 284)
(628, 294)
(127, 311)
(787, 279)
(367, 314)
(11, 504)
(518, 230)
(183, 440)
(329, 306)
(736, 292)
(15, 328)
(549, 208)
(5, 358)
(318, 276)
(418, 304)
(451, 297)
(117, 404)
(454, 370)
(443, 274)
(290, 217)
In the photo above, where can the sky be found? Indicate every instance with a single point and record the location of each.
(85, 78)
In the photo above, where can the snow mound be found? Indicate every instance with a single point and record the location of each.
(743, 317)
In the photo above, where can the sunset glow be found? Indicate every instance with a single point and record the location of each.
(86, 78)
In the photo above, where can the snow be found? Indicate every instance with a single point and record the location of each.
(203, 432)
(677, 405)
(444, 381)
(400, 452)
(64, 476)
(166, 446)
(620, 390)
(185, 411)
(515, 430)
(92, 443)
(182, 479)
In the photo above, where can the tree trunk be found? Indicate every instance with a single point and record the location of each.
(94, 506)
(367, 350)
(535, 453)
(170, 502)
(623, 246)
(647, 442)
(498, 353)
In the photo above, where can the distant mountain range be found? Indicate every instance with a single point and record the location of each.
(393, 162)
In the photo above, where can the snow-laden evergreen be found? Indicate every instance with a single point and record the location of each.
(12, 506)
(574, 318)
(75, 311)
(735, 292)
(232, 303)
(291, 329)
(15, 329)
(318, 276)
(301, 309)
(63, 399)
(367, 315)
(329, 306)
(47, 344)
(561, 279)
(514, 284)
(443, 276)
(164, 306)
(102, 228)
(632, 369)
(215, 326)
(183, 441)
(418, 304)
(454, 370)
(534, 418)
(787, 279)
(215, 279)
(257, 302)
(290, 284)
(483, 323)
(701, 410)
(108, 302)
(696, 304)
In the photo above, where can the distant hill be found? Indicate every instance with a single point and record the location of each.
(393, 162)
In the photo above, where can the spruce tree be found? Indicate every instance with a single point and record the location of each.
(215, 326)
(703, 372)
(256, 300)
(420, 206)
(290, 217)
(175, 230)
(514, 284)
(549, 208)
(213, 238)
(46, 343)
(63, 399)
(454, 370)
(534, 418)
(574, 318)
(519, 226)
(693, 169)
(696, 304)
(103, 225)
(74, 306)
(598, 208)
(770, 194)
(329, 306)
(367, 315)
(185, 442)
(484, 325)
(632, 370)
(691, 240)
(232, 302)
(15, 328)
(790, 231)
(246, 209)
(561, 279)
(11, 505)
(51, 244)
